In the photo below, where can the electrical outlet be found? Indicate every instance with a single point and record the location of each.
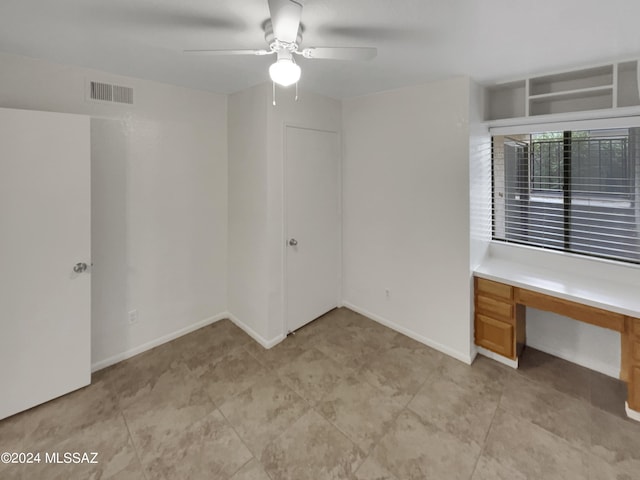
(387, 293)
(133, 317)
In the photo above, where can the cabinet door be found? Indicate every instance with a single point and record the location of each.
(494, 335)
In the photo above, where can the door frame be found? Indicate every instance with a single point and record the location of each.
(285, 226)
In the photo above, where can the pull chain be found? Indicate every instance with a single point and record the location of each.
(273, 93)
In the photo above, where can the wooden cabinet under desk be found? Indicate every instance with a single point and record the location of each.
(500, 327)
(499, 321)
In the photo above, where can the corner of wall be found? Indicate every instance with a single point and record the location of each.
(479, 188)
(247, 211)
(266, 343)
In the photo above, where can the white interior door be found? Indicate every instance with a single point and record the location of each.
(312, 198)
(45, 307)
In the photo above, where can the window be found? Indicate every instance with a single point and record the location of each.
(575, 191)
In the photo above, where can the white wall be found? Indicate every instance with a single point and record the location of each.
(406, 211)
(578, 342)
(256, 200)
(159, 195)
(248, 263)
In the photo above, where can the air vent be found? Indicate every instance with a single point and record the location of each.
(105, 92)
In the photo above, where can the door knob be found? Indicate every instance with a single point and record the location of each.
(293, 242)
(80, 267)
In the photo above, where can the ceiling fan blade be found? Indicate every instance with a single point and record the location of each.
(285, 19)
(340, 53)
(227, 52)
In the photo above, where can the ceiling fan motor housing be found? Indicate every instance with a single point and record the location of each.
(277, 45)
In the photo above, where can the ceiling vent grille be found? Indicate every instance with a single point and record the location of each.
(105, 92)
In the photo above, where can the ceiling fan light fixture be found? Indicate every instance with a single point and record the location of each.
(284, 71)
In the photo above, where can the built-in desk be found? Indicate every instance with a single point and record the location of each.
(503, 290)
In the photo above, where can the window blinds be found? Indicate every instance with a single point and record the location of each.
(570, 190)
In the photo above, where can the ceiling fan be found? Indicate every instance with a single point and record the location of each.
(283, 34)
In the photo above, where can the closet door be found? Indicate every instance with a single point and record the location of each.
(312, 199)
(45, 258)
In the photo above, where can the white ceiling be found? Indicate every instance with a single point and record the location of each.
(418, 40)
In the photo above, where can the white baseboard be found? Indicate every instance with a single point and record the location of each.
(632, 414)
(466, 358)
(498, 358)
(590, 363)
(107, 362)
(255, 335)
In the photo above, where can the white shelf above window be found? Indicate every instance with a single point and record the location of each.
(571, 94)
(591, 89)
(571, 81)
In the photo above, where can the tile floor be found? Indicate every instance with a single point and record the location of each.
(345, 398)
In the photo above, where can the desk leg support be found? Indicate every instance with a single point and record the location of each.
(521, 329)
(630, 366)
(631, 413)
(633, 397)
